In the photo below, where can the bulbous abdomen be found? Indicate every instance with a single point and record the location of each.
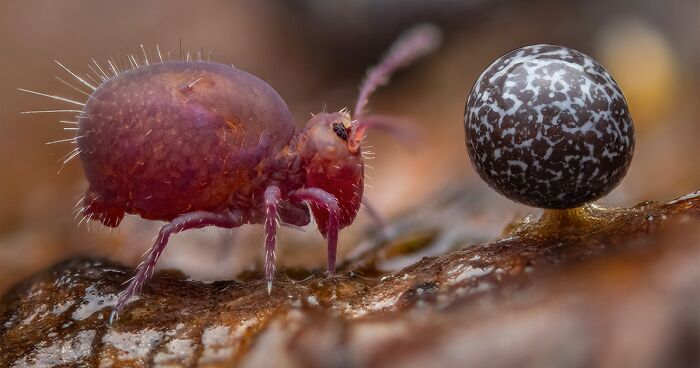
(176, 137)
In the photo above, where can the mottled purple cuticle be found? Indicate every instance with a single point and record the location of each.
(549, 127)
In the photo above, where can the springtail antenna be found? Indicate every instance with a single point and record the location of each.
(417, 41)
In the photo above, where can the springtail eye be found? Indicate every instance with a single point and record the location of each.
(340, 131)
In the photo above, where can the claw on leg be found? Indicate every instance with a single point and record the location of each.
(325, 200)
(144, 271)
(272, 197)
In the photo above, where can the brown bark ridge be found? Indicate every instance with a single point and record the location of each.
(594, 287)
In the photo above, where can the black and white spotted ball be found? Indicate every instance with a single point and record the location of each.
(548, 126)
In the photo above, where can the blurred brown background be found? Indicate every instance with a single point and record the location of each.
(314, 53)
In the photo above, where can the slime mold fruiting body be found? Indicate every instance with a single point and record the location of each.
(549, 127)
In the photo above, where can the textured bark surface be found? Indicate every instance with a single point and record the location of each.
(619, 288)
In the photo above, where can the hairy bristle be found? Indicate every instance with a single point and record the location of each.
(97, 75)
(72, 86)
(76, 76)
(52, 96)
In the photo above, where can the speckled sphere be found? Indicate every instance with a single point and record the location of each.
(548, 126)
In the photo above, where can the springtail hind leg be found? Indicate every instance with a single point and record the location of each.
(144, 271)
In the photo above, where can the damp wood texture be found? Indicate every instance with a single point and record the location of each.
(567, 292)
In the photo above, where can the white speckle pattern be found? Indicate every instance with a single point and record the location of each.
(549, 127)
(69, 351)
(133, 346)
(92, 302)
(217, 344)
